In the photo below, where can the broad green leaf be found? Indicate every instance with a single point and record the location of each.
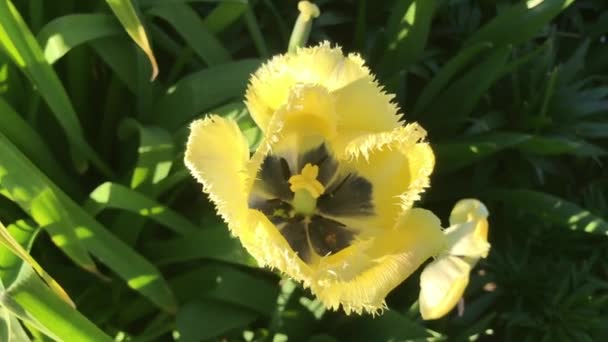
(65, 33)
(191, 27)
(209, 243)
(28, 180)
(552, 208)
(408, 34)
(25, 233)
(455, 155)
(201, 91)
(21, 46)
(15, 247)
(204, 319)
(32, 192)
(518, 23)
(125, 12)
(31, 296)
(16, 129)
(446, 73)
(155, 154)
(112, 195)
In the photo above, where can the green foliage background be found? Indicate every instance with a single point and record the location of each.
(514, 98)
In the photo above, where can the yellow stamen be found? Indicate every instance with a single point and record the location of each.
(306, 189)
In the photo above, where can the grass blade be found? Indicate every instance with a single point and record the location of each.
(125, 12)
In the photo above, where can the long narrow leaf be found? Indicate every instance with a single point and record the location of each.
(138, 272)
(65, 33)
(33, 193)
(30, 295)
(9, 242)
(201, 91)
(23, 49)
(553, 209)
(125, 12)
(191, 27)
(112, 195)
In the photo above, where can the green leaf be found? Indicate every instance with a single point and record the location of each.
(556, 145)
(518, 23)
(112, 195)
(446, 73)
(390, 326)
(21, 46)
(25, 234)
(224, 283)
(119, 55)
(27, 181)
(191, 27)
(31, 191)
(31, 296)
(552, 208)
(457, 102)
(209, 243)
(16, 129)
(7, 240)
(155, 154)
(61, 35)
(194, 94)
(452, 156)
(223, 15)
(125, 12)
(407, 36)
(205, 319)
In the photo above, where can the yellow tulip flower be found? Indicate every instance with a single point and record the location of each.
(327, 197)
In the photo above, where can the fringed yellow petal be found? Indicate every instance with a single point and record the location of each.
(310, 110)
(266, 244)
(397, 163)
(321, 65)
(360, 279)
(442, 284)
(363, 108)
(217, 154)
